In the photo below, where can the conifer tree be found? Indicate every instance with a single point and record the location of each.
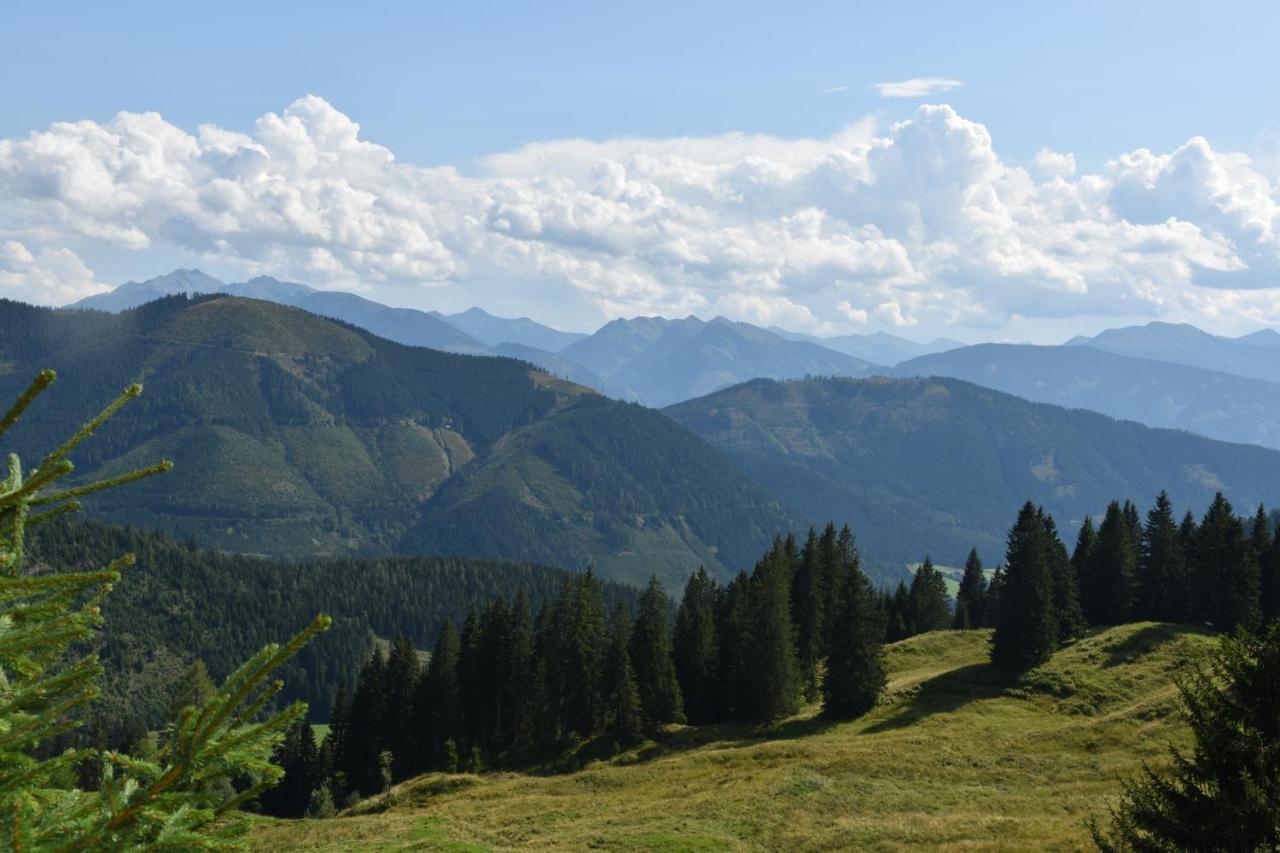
(855, 675)
(1227, 576)
(927, 608)
(1270, 585)
(733, 637)
(437, 708)
(1109, 585)
(399, 683)
(995, 590)
(299, 759)
(1161, 567)
(179, 796)
(695, 649)
(1222, 795)
(971, 596)
(623, 716)
(1066, 588)
(195, 687)
(808, 602)
(898, 613)
(366, 729)
(774, 686)
(583, 645)
(336, 743)
(1026, 631)
(651, 660)
(519, 683)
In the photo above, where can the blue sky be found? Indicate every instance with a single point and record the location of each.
(447, 82)
(452, 84)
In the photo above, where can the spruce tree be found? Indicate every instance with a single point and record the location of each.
(898, 614)
(651, 659)
(299, 759)
(1109, 585)
(366, 729)
(583, 644)
(623, 715)
(439, 705)
(808, 602)
(1068, 613)
(1223, 794)
(774, 673)
(180, 797)
(927, 608)
(1161, 567)
(733, 639)
(195, 687)
(855, 675)
(1227, 576)
(971, 596)
(1270, 584)
(695, 649)
(399, 683)
(1026, 631)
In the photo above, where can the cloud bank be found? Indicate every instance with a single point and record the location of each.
(919, 223)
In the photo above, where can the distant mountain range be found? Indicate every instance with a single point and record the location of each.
(1156, 393)
(936, 466)
(296, 435)
(877, 348)
(1256, 355)
(660, 361)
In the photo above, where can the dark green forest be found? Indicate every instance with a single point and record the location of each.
(180, 604)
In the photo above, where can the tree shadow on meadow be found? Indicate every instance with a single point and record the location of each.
(1144, 641)
(946, 692)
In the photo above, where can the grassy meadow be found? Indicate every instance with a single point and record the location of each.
(956, 757)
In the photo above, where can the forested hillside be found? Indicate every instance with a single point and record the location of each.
(297, 436)
(936, 466)
(179, 604)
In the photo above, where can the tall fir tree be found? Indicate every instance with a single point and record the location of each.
(583, 645)
(774, 686)
(366, 729)
(651, 659)
(400, 681)
(1162, 581)
(1109, 585)
(437, 705)
(620, 695)
(855, 675)
(898, 614)
(733, 638)
(1026, 630)
(1270, 582)
(808, 611)
(1068, 613)
(972, 595)
(927, 608)
(695, 649)
(299, 758)
(1227, 576)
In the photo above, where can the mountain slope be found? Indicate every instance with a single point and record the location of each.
(1157, 393)
(921, 771)
(936, 466)
(1184, 344)
(491, 330)
(134, 293)
(662, 361)
(295, 435)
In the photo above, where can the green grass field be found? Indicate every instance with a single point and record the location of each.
(957, 757)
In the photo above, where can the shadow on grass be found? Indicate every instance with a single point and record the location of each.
(946, 692)
(1141, 642)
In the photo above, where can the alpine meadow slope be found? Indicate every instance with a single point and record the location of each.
(938, 466)
(956, 756)
(301, 436)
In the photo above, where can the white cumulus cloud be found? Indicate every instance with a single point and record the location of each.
(48, 277)
(918, 223)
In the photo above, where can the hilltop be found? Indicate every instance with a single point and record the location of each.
(956, 756)
(295, 435)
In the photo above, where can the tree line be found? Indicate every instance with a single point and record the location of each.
(1223, 571)
(512, 687)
